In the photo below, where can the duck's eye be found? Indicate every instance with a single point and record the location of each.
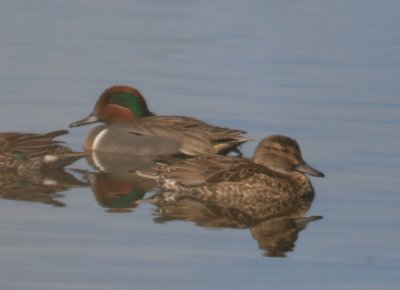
(284, 149)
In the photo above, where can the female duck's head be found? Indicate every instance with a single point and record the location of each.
(282, 154)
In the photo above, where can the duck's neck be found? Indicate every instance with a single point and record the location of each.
(303, 184)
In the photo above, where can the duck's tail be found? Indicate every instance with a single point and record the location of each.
(228, 145)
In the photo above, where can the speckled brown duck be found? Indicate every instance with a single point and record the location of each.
(272, 183)
(28, 152)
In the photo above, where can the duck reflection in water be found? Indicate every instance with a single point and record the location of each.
(32, 167)
(114, 186)
(119, 193)
(275, 235)
(268, 190)
(44, 187)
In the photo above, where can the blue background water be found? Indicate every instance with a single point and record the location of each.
(323, 72)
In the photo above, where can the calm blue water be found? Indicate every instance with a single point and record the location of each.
(323, 72)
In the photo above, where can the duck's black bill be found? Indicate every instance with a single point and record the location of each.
(92, 118)
(305, 168)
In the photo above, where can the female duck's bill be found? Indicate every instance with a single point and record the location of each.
(305, 168)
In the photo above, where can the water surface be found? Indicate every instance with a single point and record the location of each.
(325, 73)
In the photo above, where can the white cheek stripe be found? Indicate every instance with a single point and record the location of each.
(98, 138)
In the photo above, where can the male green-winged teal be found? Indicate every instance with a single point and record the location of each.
(132, 129)
(272, 183)
(29, 152)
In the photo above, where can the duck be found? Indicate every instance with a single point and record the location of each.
(131, 128)
(271, 183)
(26, 153)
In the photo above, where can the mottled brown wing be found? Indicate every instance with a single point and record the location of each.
(28, 143)
(210, 169)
